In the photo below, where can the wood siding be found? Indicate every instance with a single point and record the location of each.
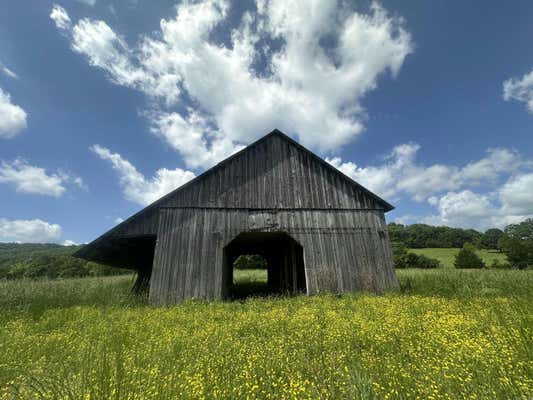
(273, 185)
(273, 174)
(344, 250)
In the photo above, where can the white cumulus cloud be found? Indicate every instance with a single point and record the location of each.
(498, 161)
(31, 179)
(60, 17)
(464, 208)
(318, 60)
(29, 231)
(135, 186)
(520, 89)
(12, 117)
(199, 145)
(506, 204)
(402, 174)
(516, 195)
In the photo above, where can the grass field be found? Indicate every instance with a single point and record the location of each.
(446, 334)
(447, 256)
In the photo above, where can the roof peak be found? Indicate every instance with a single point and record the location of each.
(274, 132)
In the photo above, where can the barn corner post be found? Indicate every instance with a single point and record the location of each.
(273, 187)
(391, 279)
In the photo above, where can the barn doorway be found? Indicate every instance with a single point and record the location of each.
(280, 265)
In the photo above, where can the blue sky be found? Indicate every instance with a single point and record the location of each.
(107, 105)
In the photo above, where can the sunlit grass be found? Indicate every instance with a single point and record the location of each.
(447, 255)
(445, 334)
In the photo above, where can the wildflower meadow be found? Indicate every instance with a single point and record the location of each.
(445, 334)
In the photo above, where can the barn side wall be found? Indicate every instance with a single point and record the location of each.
(344, 250)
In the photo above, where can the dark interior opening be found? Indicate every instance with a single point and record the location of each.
(145, 251)
(285, 272)
(132, 252)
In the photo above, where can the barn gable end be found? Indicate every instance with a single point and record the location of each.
(274, 175)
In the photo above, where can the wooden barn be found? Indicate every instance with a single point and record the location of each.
(317, 229)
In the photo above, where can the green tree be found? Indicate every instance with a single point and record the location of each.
(523, 230)
(517, 244)
(468, 258)
(489, 240)
(519, 252)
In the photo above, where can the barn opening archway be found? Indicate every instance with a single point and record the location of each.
(283, 256)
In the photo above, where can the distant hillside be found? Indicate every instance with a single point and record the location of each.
(29, 260)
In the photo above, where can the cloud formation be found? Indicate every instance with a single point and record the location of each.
(502, 176)
(135, 186)
(60, 17)
(520, 89)
(509, 204)
(12, 117)
(516, 196)
(300, 66)
(29, 231)
(402, 174)
(30, 179)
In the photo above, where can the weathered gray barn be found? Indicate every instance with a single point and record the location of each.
(317, 229)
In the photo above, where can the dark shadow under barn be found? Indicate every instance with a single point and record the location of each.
(284, 259)
(135, 252)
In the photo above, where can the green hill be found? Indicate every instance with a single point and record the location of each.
(29, 260)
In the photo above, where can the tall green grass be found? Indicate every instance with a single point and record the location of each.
(466, 284)
(444, 334)
(34, 297)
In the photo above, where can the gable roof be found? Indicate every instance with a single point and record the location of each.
(276, 132)
(386, 206)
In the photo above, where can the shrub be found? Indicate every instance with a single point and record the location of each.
(497, 264)
(405, 259)
(421, 261)
(399, 252)
(522, 265)
(467, 258)
(517, 250)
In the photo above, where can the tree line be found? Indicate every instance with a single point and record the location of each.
(420, 236)
(515, 241)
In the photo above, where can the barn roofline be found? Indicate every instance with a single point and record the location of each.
(82, 253)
